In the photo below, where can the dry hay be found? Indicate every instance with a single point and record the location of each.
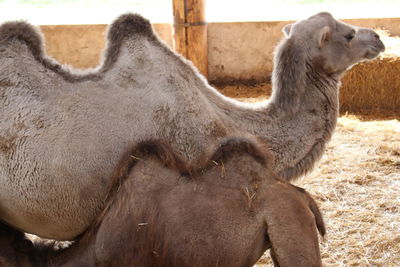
(357, 186)
(374, 86)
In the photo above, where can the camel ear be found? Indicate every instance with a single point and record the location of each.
(323, 36)
(286, 30)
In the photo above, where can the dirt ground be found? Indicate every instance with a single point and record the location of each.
(357, 186)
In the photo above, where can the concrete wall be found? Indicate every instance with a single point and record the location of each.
(82, 45)
(244, 50)
(240, 50)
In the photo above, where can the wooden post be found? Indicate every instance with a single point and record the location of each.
(190, 32)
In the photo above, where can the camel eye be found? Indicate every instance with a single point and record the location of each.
(349, 36)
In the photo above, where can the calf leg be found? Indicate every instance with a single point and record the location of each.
(9, 241)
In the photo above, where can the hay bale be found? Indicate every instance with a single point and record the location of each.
(374, 87)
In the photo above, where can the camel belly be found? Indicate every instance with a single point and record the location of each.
(54, 191)
(51, 213)
(54, 180)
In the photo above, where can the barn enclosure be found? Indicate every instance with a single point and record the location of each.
(357, 182)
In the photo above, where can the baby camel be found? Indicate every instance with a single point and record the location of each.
(227, 212)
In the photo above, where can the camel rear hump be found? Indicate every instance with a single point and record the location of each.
(128, 25)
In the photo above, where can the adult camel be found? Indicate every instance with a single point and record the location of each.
(62, 132)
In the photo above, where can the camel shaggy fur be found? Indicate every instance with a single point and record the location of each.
(63, 132)
(227, 212)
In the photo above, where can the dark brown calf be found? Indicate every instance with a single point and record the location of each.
(161, 212)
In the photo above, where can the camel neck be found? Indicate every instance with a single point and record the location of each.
(295, 135)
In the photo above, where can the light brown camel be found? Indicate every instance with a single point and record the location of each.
(62, 133)
(227, 212)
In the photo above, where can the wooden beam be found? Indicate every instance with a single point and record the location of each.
(190, 32)
(179, 7)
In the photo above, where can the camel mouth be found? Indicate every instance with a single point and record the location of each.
(374, 51)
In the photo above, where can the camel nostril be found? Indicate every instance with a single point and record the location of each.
(376, 36)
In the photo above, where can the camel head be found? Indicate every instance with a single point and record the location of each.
(333, 45)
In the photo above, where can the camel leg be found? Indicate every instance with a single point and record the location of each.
(292, 227)
(16, 238)
(8, 252)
